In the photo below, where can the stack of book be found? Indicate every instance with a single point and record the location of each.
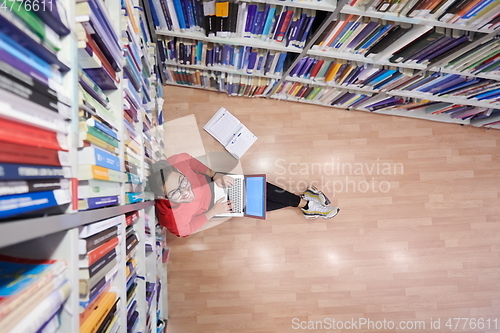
(99, 58)
(345, 73)
(233, 84)
(34, 289)
(34, 157)
(318, 95)
(474, 13)
(267, 22)
(452, 86)
(433, 46)
(247, 59)
(483, 59)
(100, 257)
(133, 144)
(390, 41)
(131, 270)
(99, 170)
(99, 49)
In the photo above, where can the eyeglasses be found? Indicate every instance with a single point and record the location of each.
(176, 194)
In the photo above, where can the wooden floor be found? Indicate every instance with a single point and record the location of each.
(417, 238)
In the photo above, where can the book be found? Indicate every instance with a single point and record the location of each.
(25, 111)
(99, 157)
(89, 276)
(87, 307)
(97, 24)
(99, 126)
(131, 243)
(34, 204)
(90, 243)
(27, 84)
(96, 227)
(389, 39)
(133, 197)
(14, 27)
(25, 171)
(26, 186)
(88, 259)
(89, 171)
(112, 313)
(230, 132)
(98, 202)
(21, 154)
(99, 313)
(405, 53)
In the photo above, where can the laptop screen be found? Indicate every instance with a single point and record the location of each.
(255, 188)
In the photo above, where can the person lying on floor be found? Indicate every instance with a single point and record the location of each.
(184, 197)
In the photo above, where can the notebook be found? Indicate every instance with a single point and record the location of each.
(230, 132)
(247, 195)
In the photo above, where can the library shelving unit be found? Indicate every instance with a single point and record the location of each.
(468, 38)
(59, 237)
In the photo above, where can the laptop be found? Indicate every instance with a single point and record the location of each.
(248, 196)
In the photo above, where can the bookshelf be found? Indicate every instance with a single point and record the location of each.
(469, 52)
(134, 253)
(28, 229)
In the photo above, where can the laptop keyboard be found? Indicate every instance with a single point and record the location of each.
(235, 193)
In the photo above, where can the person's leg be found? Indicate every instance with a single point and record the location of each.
(278, 198)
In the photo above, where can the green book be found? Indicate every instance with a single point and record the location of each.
(485, 57)
(102, 136)
(314, 93)
(489, 68)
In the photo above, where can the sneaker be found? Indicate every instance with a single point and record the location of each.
(316, 210)
(313, 194)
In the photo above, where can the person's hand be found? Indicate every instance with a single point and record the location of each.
(222, 180)
(221, 206)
